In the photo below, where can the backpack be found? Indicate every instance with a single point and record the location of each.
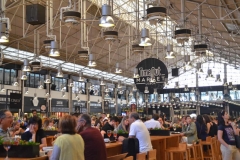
(130, 146)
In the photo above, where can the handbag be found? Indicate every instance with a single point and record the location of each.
(237, 139)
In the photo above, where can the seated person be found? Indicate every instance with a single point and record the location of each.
(16, 129)
(35, 133)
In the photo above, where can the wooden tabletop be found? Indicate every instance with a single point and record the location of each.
(153, 138)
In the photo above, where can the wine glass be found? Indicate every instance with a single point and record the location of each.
(109, 133)
(115, 134)
(7, 141)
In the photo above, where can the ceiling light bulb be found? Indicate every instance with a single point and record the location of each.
(81, 78)
(47, 80)
(3, 33)
(146, 90)
(24, 76)
(59, 73)
(118, 70)
(106, 19)
(15, 82)
(145, 40)
(119, 84)
(102, 83)
(91, 62)
(54, 52)
(26, 67)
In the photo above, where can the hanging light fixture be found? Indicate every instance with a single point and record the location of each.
(54, 50)
(186, 88)
(225, 82)
(152, 77)
(15, 82)
(118, 70)
(106, 19)
(155, 91)
(120, 92)
(146, 91)
(131, 93)
(26, 90)
(70, 83)
(170, 53)
(46, 93)
(106, 89)
(102, 83)
(81, 78)
(48, 79)
(199, 68)
(59, 73)
(2, 89)
(3, 33)
(119, 84)
(209, 75)
(135, 73)
(40, 86)
(26, 67)
(63, 94)
(134, 89)
(188, 64)
(218, 79)
(145, 40)
(24, 76)
(176, 85)
(91, 62)
(230, 86)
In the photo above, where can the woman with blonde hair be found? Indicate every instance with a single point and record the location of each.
(69, 145)
(124, 125)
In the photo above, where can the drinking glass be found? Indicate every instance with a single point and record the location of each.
(115, 134)
(7, 141)
(109, 133)
(174, 127)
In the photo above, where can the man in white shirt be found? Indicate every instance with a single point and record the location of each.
(138, 130)
(153, 123)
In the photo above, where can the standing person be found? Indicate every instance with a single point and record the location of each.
(34, 113)
(207, 122)
(69, 145)
(139, 130)
(95, 148)
(226, 137)
(6, 120)
(153, 123)
(190, 131)
(201, 128)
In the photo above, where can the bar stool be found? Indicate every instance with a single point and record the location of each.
(117, 157)
(191, 152)
(141, 156)
(182, 149)
(128, 158)
(39, 158)
(152, 155)
(210, 142)
(198, 150)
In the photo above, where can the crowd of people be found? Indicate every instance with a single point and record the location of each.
(82, 136)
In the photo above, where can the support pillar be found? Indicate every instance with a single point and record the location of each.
(70, 104)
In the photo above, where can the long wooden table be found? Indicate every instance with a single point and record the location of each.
(160, 143)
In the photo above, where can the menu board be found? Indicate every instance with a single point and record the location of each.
(29, 106)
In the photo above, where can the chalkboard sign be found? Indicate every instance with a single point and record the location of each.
(28, 104)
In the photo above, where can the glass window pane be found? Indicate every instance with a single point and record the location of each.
(7, 76)
(31, 80)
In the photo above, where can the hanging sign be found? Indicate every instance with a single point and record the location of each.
(15, 101)
(145, 68)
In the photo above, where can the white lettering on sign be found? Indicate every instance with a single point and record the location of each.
(59, 102)
(147, 72)
(15, 100)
